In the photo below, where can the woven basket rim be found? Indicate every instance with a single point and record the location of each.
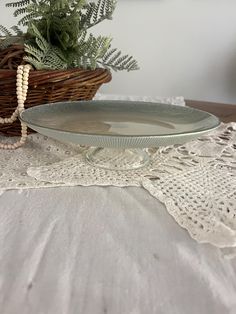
(48, 86)
(59, 71)
(40, 77)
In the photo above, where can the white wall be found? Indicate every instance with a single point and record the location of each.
(184, 47)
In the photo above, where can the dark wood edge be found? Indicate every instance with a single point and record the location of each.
(226, 112)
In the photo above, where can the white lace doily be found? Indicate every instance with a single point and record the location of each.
(196, 181)
(163, 100)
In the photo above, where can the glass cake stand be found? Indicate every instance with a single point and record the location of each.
(118, 132)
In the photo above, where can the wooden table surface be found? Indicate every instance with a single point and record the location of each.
(225, 112)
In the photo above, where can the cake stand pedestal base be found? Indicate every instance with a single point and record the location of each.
(117, 159)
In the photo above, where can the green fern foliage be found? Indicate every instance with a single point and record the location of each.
(113, 59)
(21, 3)
(58, 35)
(5, 31)
(17, 30)
(21, 6)
(90, 51)
(7, 37)
(44, 56)
(95, 13)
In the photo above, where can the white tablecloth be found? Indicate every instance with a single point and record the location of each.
(105, 250)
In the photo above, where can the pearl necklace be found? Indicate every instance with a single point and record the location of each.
(21, 92)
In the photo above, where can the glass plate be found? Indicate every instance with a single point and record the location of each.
(119, 124)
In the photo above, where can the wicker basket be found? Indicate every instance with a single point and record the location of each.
(48, 86)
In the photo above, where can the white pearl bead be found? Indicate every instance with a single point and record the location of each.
(21, 92)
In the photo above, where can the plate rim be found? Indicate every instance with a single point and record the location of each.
(218, 122)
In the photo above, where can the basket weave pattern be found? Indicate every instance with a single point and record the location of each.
(47, 87)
